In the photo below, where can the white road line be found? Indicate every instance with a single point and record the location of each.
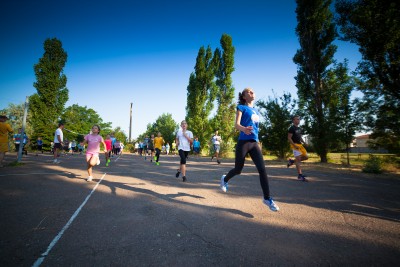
(55, 240)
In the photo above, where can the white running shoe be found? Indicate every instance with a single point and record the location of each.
(223, 185)
(89, 179)
(98, 162)
(271, 204)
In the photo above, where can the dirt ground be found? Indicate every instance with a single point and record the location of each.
(135, 213)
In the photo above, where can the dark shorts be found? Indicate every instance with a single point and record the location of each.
(196, 149)
(57, 145)
(183, 155)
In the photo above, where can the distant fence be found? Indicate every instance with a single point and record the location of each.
(368, 150)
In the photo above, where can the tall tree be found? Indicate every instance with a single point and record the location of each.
(201, 94)
(225, 116)
(48, 103)
(343, 119)
(316, 32)
(375, 27)
(276, 115)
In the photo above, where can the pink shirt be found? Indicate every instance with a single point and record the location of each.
(93, 143)
(108, 144)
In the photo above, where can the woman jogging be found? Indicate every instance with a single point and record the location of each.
(247, 122)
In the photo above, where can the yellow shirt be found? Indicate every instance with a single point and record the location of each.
(5, 128)
(158, 142)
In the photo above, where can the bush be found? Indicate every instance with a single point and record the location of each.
(129, 147)
(373, 165)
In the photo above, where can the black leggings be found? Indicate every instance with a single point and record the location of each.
(183, 155)
(158, 151)
(242, 148)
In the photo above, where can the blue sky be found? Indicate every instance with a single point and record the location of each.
(142, 52)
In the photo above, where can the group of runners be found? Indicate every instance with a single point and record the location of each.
(247, 123)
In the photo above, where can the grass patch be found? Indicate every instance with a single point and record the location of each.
(15, 164)
(389, 162)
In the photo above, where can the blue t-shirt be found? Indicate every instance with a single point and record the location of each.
(196, 143)
(250, 117)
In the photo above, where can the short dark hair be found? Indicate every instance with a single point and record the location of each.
(295, 116)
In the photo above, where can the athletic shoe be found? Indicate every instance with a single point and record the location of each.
(271, 204)
(184, 179)
(177, 173)
(89, 179)
(290, 163)
(219, 162)
(155, 158)
(223, 185)
(158, 163)
(302, 178)
(212, 158)
(107, 164)
(98, 162)
(109, 160)
(56, 161)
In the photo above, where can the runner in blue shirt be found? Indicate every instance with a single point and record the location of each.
(247, 122)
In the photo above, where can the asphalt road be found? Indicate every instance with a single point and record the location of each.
(135, 213)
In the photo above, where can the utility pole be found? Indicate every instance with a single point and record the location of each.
(130, 124)
(21, 142)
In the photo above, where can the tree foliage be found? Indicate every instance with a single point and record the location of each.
(164, 124)
(79, 121)
(316, 32)
(15, 115)
(276, 115)
(225, 116)
(201, 94)
(375, 27)
(341, 113)
(47, 104)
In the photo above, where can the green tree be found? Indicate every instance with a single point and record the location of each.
(164, 124)
(79, 121)
(316, 32)
(15, 116)
(47, 104)
(276, 114)
(225, 116)
(375, 27)
(340, 111)
(201, 94)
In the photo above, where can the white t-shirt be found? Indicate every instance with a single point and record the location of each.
(60, 133)
(216, 139)
(184, 143)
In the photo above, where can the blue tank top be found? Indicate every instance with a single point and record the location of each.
(250, 117)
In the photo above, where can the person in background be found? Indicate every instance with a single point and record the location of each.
(216, 142)
(158, 143)
(5, 130)
(184, 139)
(39, 145)
(296, 143)
(196, 146)
(58, 141)
(108, 147)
